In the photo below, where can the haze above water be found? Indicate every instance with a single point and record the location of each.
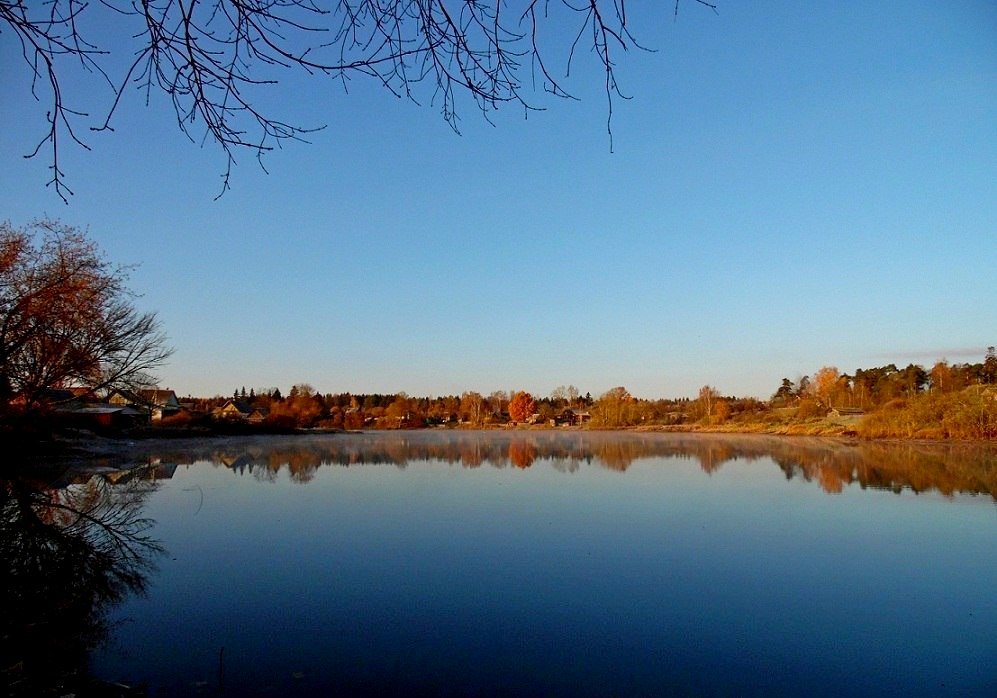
(463, 563)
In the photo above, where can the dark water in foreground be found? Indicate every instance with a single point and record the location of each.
(564, 564)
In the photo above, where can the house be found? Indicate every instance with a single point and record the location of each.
(258, 415)
(567, 418)
(234, 410)
(122, 397)
(158, 403)
(162, 403)
(83, 393)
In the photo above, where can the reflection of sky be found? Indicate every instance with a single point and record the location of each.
(489, 578)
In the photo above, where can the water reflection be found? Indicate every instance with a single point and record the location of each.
(562, 564)
(833, 465)
(71, 551)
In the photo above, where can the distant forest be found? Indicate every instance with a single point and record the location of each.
(943, 401)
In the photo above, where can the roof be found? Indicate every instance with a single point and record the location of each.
(127, 395)
(156, 396)
(126, 410)
(56, 395)
(92, 410)
(240, 405)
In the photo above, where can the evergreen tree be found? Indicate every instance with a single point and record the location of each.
(990, 366)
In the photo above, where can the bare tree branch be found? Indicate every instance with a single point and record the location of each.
(212, 57)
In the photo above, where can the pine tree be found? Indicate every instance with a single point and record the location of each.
(990, 366)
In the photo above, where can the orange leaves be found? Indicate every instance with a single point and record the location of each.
(521, 406)
(66, 316)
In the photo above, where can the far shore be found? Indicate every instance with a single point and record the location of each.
(87, 449)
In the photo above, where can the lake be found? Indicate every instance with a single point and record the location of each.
(559, 564)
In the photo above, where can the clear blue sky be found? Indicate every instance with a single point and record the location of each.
(792, 185)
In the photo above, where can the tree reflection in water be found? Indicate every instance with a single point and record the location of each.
(832, 464)
(70, 553)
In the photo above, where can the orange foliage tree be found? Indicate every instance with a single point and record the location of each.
(521, 406)
(825, 385)
(66, 317)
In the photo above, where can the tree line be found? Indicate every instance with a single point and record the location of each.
(874, 387)
(945, 401)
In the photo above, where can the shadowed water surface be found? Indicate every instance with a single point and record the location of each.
(542, 563)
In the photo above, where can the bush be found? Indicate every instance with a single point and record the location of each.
(968, 414)
(810, 409)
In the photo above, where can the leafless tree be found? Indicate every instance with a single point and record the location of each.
(211, 56)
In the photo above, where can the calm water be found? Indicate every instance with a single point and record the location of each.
(564, 564)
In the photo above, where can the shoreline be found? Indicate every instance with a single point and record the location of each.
(86, 448)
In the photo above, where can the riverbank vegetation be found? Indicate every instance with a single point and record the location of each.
(957, 401)
(949, 401)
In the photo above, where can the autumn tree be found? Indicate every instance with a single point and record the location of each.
(721, 411)
(215, 60)
(521, 406)
(498, 401)
(824, 385)
(66, 317)
(614, 408)
(941, 377)
(448, 406)
(303, 406)
(706, 402)
(399, 410)
(472, 405)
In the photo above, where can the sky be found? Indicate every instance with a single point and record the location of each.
(790, 186)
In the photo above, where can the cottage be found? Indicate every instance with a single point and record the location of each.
(234, 410)
(157, 403)
(258, 415)
(161, 403)
(122, 397)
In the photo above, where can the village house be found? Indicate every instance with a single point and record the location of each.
(239, 410)
(79, 407)
(158, 403)
(162, 403)
(101, 416)
(258, 415)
